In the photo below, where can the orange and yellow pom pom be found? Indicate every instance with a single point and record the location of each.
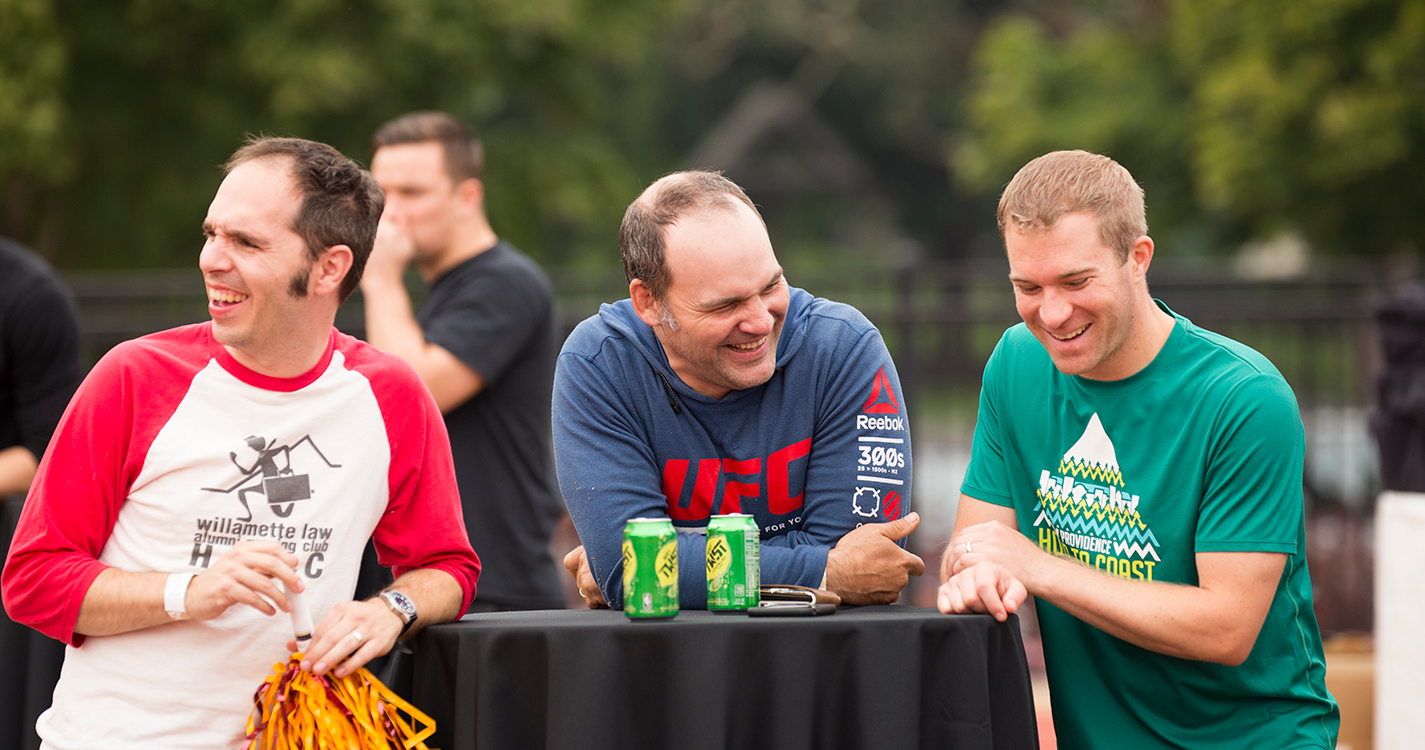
(296, 710)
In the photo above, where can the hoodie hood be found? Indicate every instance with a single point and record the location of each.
(621, 318)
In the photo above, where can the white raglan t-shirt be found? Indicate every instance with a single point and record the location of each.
(172, 452)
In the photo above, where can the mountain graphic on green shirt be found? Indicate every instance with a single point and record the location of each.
(1086, 504)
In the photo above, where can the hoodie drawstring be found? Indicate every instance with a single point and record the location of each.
(672, 397)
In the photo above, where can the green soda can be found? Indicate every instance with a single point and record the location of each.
(734, 563)
(650, 569)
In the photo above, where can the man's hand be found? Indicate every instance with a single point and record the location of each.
(351, 634)
(245, 574)
(985, 588)
(577, 563)
(983, 570)
(992, 542)
(393, 251)
(867, 566)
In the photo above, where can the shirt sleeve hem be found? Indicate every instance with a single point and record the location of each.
(89, 574)
(983, 495)
(1245, 545)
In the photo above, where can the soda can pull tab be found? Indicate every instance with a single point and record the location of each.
(301, 619)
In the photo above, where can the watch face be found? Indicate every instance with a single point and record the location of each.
(402, 603)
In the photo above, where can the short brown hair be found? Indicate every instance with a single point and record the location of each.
(641, 239)
(1066, 182)
(341, 203)
(464, 155)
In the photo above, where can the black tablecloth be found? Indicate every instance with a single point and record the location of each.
(871, 677)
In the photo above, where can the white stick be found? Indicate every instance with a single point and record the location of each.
(301, 619)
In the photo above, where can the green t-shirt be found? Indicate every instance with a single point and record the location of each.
(1201, 451)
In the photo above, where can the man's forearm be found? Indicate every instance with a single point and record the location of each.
(1217, 621)
(17, 469)
(251, 573)
(390, 321)
(119, 601)
(392, 327)
(436, 594)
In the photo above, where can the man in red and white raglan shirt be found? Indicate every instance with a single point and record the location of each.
(201, 472)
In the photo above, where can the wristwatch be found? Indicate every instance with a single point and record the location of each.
(402, 606)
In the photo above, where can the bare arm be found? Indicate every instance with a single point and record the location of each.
(437, 597)
(17, 469)
(1216, 621)
(391, 324)
(120, 601)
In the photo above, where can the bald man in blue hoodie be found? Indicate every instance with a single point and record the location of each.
(718, 388)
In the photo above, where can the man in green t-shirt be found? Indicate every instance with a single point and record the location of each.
(1142, 478)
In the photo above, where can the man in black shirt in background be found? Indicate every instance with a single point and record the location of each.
(39, 371)
(39, 361)
(484, 343)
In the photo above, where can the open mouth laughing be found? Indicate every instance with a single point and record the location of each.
(1071, 335)
(750, 346)
(224, 297)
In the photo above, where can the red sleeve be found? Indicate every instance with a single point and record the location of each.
(423, 526)
(96, 455)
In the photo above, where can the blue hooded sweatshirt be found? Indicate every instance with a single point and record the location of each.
(820, 449)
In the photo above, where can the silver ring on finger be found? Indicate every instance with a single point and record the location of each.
(357, 635)
(967, 548)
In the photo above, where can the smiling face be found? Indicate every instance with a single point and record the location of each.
(721, 317)
(256, 268)
(1091, 312)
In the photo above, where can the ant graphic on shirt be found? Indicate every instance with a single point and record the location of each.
(282, 488)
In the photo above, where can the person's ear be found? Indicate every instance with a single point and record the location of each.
(471, 193)
(1141, 256)
(649, 310)
(330, 269)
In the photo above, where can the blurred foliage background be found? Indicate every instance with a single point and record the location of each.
(1281, 144)
(871, 132)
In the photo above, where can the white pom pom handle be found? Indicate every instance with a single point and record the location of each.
(301, 619)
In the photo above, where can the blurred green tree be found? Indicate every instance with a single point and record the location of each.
(1241, 119)
(884, 78)
(32, 112)
(114, 115)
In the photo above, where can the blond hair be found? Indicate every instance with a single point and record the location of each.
(1066, 182)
